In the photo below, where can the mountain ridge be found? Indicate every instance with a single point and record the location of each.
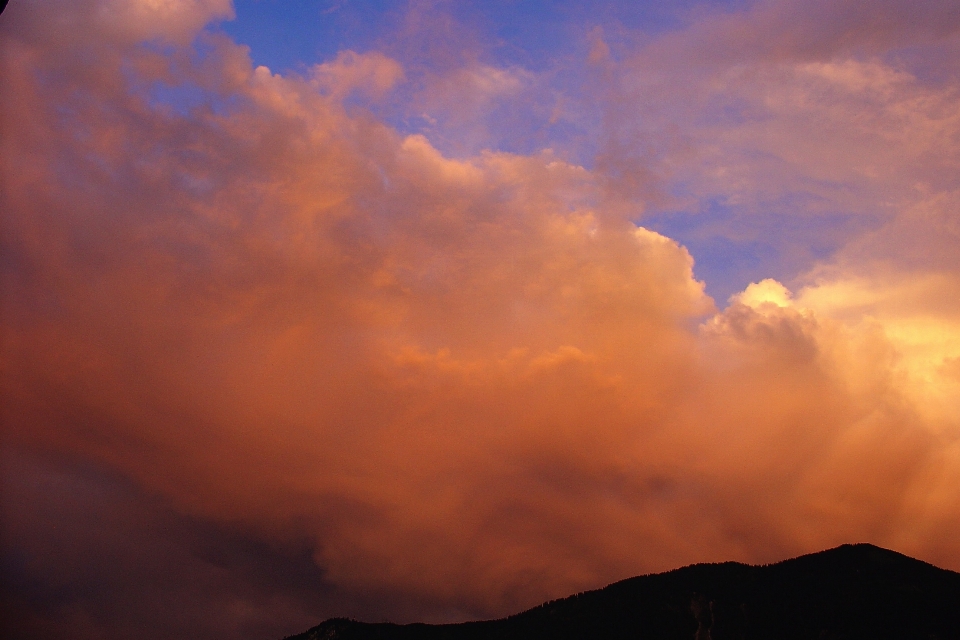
(850, 592)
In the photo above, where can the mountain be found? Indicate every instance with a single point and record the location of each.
(852, 592)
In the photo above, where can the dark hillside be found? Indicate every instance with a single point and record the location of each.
(851, 592)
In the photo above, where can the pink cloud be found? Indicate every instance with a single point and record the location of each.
(472, 382)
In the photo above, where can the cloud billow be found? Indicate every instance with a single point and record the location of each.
(469, 384)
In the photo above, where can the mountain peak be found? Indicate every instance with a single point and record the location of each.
(850, 592)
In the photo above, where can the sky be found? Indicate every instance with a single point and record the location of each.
(421, 310)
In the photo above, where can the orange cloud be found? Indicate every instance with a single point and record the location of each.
(462, 379)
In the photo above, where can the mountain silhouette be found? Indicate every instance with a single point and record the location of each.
(852, 592)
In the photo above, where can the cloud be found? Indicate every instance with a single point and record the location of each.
(126, 22)
(469, 384)
(88, 555)
(765, 160)
(780, 30)
(372, 73)
(844, 135)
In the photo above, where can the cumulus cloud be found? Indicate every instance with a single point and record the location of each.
(465, 382)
